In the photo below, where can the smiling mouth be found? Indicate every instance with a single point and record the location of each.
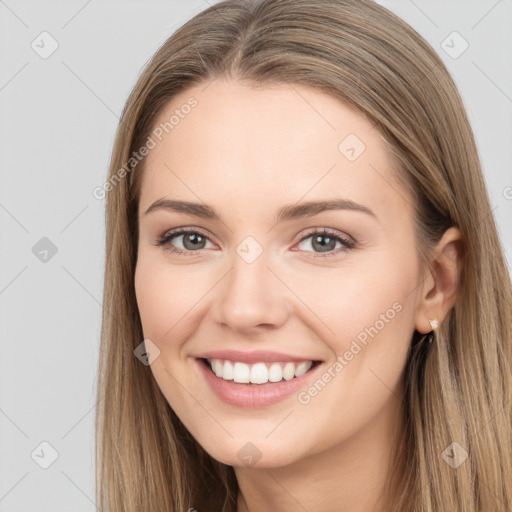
(259, 373)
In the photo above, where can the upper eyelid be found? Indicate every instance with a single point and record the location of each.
(327, 231)
(183, 231)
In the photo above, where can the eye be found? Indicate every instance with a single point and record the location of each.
(324, 241)
(191, 241)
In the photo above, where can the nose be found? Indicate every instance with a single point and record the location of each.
(251, 297)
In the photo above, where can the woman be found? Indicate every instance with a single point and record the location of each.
(306, 304)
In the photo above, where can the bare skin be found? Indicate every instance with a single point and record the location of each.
(247, 152)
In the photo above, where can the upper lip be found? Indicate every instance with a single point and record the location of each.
(257, 356)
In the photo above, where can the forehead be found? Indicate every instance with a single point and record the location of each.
(271, 144)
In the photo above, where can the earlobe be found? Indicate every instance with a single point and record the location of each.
(439, 290)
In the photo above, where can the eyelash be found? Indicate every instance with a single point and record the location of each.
(165, 238)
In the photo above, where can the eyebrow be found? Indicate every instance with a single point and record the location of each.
(285, 213)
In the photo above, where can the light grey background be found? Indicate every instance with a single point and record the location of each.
(58, 119)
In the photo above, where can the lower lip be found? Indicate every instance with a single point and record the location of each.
(253, 395)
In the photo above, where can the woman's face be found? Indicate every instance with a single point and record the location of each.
(258, 287)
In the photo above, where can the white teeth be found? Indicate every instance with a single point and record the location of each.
(302, 368)
(289, 371)
(217, 367)
(241, 373)
(258, 373)
(275, 373)
(228, 373)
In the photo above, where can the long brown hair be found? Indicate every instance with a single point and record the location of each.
(458, 389)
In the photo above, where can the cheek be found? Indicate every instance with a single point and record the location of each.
(167, 295)
(353, 298)
(157, 297)
(368, 311)
(371, 314)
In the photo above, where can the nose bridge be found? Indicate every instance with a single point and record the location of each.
(251, 294)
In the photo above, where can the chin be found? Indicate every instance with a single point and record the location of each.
(257, 454)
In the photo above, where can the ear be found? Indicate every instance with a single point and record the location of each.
(438, 291)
